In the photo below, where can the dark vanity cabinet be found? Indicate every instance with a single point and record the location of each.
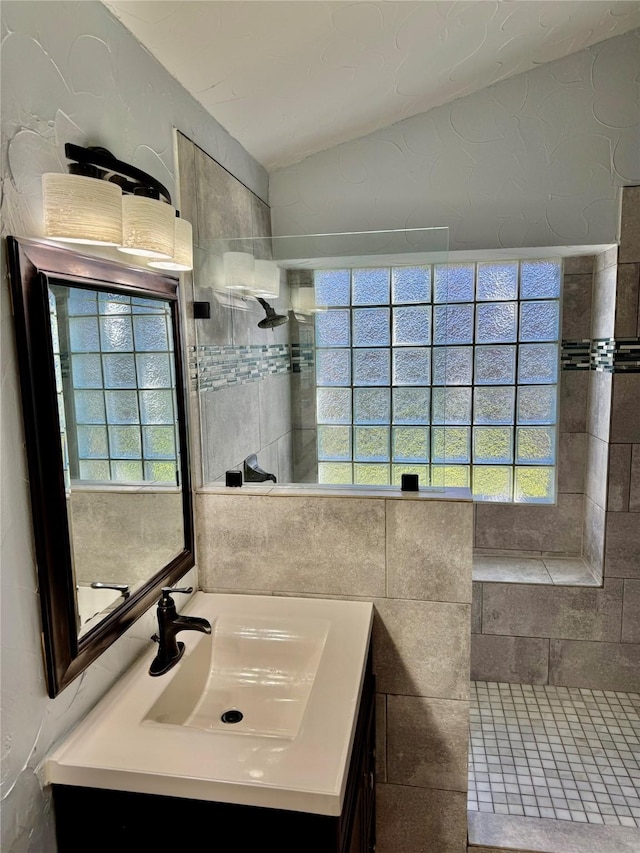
(107, 821)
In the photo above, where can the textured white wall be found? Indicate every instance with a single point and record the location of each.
(535, 160)
(70, 72)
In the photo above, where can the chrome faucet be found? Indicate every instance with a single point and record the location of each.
(169, 625)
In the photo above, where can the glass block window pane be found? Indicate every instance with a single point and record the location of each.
(370, 286)
(87, 371)
(457, 476)
(371, 367)
(150, 333)
(540, 279)
(496, 323)
(539, 321)
(493, 405)
(411, 366)
(158, 442)
(83, 334)
(124, 442)
(421, 470)
(371, 405)
(537, 404)
(534, 485)
(371, 444)
(98, 471)
(335, 472)
(161, 472)
(452, 365)
(453, 283)
(450, 444)
(412, 325)
(126, 471)
(370, 475)
(114, 303)
(153, 370)
(334, 443)
(410, 284)
(536, 445)
(410, 444)
(334, 405)
(92, 442)
(411, 405)
(371, 327)
(497, 281)
(332, 287)
(82, 302)
(156, 407)
(116, 333)
(89, 407)
(492, 483)
(119, 370)
(122, 407)
(451, 406)
(453, 324)
(493, 445)
(332, 328)
(495, 365)
(537, 364)
(333, 367)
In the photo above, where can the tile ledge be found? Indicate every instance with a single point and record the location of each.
(542, 835)
(544, 570)
(449, 493)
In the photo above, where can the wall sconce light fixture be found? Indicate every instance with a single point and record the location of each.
(103, 201)
(303, 302)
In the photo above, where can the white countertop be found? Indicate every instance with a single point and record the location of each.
(113, 748)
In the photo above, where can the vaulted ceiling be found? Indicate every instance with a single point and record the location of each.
(288, 78)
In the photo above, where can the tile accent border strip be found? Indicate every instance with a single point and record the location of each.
(212, 368)
(605, 355)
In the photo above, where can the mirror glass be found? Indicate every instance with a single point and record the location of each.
(116, 392)
(104, 411)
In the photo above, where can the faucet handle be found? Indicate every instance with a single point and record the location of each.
(167, 592)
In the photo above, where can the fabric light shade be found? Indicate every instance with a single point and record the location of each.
(148, 227)
(267, 279)
(303, 300)
(182, 259)
(239, 271)
(78, 209)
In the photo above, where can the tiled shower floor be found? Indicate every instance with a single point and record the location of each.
(555, 752)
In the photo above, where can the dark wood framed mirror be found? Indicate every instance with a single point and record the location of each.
(104, 406)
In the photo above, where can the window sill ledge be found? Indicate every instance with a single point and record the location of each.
(539, 569)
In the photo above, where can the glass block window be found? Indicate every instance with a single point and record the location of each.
(448, 371)
(120, 373)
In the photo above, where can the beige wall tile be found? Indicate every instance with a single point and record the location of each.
(429, 547)
(593, 535)
(421, 648)
(427, 742)
(420, 820)
(625, 408)
(627, 300)
(596, 471)
(599, 405)
(580, 613)
(476, 608)
(574, 393)
(598, 666)
(631, 611)
(634, 486)
(604, 302)
(572, 453)
(622, 545)
(576, 306)
(292, 544)
(531, 528)
(619, 477)
(522, 660)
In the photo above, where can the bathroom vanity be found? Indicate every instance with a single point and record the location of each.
(155, 765)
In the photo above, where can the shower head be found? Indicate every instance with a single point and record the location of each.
(272, 319)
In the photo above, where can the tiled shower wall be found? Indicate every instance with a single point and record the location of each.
(391, 552)
(239, 374)
(572, 636)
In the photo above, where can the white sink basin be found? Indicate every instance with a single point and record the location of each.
(293, 666)
(262, 667)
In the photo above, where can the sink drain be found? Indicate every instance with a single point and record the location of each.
(232, 716)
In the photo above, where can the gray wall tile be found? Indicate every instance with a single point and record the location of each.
(599, 405)
(421, 648)
(622, 545)
(605, 259)
(593, 535)
(572, 455)
(619, 477)
(420, 820)
(625, 408)
(333, 546)
(630, 226)
(604, 302)
(187, 183)
(274, 396)
(476, 608)
(574, 393)
(522, 660)
(580, 613)
(596, 471)
(429, 545)
(223, 204)
(381, 737)
(532, 528)
(598, 666)
(427, 742)
(627, 300)
(634, 487)
(576, 306)
(230, 427)
(631, 611)
(578, 265)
